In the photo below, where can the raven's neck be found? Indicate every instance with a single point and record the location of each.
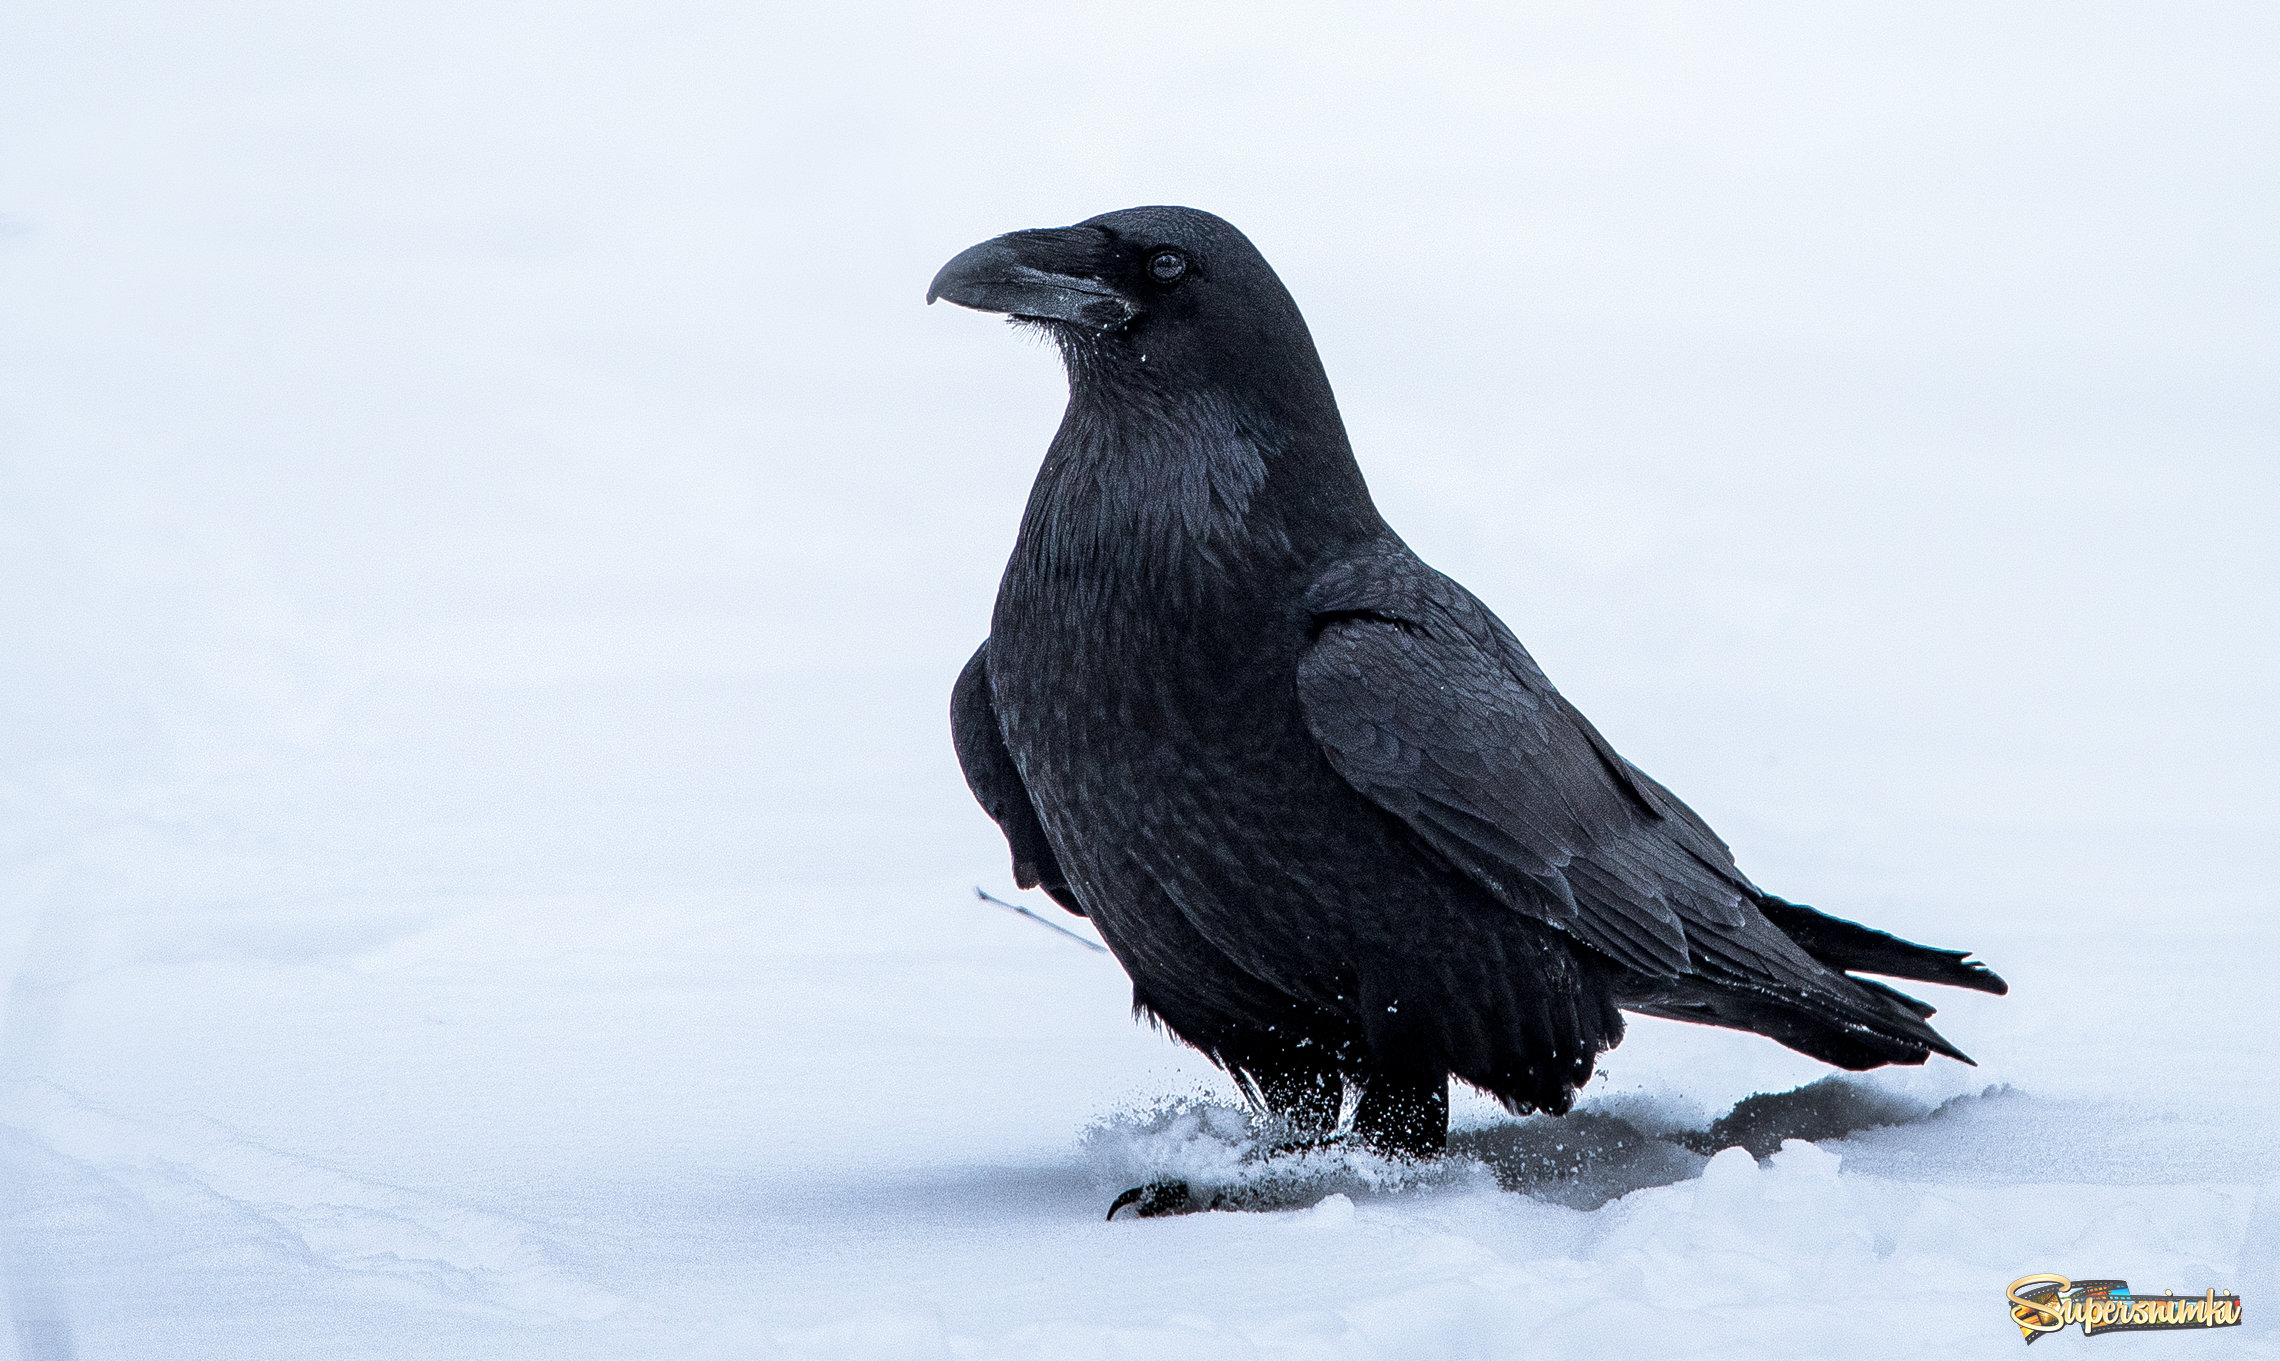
(1165, 503)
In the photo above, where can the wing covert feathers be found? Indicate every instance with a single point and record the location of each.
(1426, 704)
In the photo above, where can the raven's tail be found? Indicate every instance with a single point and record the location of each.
(1857, 1023)
(1849, 947)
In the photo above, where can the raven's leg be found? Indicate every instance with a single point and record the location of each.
(1404, 1114)
(1288, 1055)
(1303, 1093)
(1305, 1098)
(1289, 1058)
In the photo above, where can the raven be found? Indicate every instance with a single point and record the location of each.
(1320, 802)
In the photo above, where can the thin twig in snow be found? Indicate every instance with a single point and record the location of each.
(987, 897)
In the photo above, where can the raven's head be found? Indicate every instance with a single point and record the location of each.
(1165, 294)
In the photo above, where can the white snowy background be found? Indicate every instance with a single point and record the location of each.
(487, 528)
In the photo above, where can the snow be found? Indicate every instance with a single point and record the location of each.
(487, 529)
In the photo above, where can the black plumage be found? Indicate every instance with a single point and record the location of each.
(1319, 801)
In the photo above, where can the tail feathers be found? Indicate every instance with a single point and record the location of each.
(1850, 947)
(1893, 996)
(1908, 1018)
(1876, 1027)
(1837, 1017)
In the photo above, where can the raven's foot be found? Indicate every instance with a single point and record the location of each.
(1405, 1117)
(1167, 1197)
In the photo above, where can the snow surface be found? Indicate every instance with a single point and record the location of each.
(487, 529)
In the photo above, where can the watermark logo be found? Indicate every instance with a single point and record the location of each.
(2046, 1304)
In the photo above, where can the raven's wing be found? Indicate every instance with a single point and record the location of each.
(1424, 701)
(997, 785)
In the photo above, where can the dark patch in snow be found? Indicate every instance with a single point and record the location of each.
(1587, 1158)
(1829, 1109)
(1231, 1159)
(1581, 1160)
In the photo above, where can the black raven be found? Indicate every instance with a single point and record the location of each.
(1325, 808)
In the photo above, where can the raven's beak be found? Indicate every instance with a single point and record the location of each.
(1046, 275)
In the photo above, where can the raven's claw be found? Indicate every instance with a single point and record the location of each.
(1159, 1198)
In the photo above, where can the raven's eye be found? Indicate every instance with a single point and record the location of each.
(1166, 266)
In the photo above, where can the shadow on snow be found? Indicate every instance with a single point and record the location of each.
(1582, 1160)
